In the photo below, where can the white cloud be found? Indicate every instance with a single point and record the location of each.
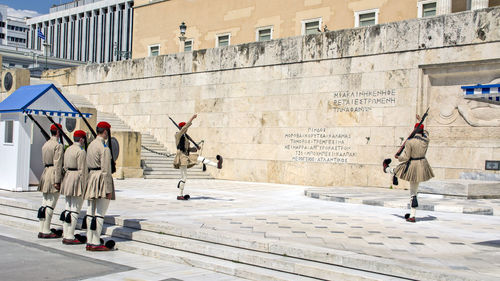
(22, 13)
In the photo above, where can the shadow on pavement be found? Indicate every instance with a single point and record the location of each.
(427, 218)
(209, 198)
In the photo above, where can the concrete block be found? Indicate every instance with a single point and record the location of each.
(470, 189)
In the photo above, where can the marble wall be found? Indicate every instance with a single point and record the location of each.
(323, 109)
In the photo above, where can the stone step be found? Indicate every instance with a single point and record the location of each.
(173, 172)
(194, 177)
(230, 260)
(158, 161)
(230, 268)
(273, 254)
(470, 189)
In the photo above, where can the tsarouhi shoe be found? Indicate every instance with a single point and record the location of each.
(58, 232)
(386, 163)
(182, 198)
(97, 248)
(410, 219)
(72, 241)
(48, 236)
(219, 161)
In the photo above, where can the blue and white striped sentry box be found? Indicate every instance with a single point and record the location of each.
(487, 93)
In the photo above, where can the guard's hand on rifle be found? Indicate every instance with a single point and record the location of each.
(193, 149)
(396, 156)
(57, 186)
(418, 117)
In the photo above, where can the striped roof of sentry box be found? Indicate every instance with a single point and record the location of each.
(487, 93)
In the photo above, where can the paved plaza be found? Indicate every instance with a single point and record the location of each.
(457, 243)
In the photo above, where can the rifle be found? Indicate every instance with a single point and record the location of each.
(45, 135)
(86, 122)
(110, 144)
(187, 136)
(68, 140)
(412, 133)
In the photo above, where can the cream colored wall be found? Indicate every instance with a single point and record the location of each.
(158, 22)
(259, 103)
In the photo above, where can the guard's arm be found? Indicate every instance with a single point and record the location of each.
(106, 170)
(405, 156)
(58, 163)
(82, 167)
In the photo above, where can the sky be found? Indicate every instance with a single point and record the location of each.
(30, 8)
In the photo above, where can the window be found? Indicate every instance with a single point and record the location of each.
(426, 9)
(154, 50)
(9, 131)
(223, 40)
(311, 26)
(264, 34)
(188, 45)
(366, 18)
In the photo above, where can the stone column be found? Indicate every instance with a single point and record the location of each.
(93, 18)
(443, 7)
(107, 34)
(71, 30)
(77, 37)
(55, 48)
(125, 17)
(115, 34)
(85, 42)
(99, 36)
(479, 4)
(49, 35)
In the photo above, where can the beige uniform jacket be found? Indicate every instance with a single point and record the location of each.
(181, 158)
(75, 167)
(414, 166)
(52, 157)
(100, 180)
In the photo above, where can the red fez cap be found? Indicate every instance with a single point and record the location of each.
(182, 124)
(103, 125)
(79, 134)
(421, 126)
(53, 127)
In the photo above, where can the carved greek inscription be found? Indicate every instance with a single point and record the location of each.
(320, 145)
(361, 101)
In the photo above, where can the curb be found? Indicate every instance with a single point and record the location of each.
(470, 210)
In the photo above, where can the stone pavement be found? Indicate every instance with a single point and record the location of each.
(399, 198)
(24, 257)
(451, 243)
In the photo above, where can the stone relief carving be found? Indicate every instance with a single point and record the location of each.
(475, 113)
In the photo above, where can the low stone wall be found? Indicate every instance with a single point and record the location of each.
(322, 109)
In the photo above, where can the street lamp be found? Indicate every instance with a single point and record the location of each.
(47, 51)
(183, 28)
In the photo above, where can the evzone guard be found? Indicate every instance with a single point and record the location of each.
(186, 157)
(73, 187)
(50, 182)
(100, 188)
(413, 166)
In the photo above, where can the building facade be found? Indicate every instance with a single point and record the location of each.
(85, 30)
(217, 23)
(322, 109)
(13, 30)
